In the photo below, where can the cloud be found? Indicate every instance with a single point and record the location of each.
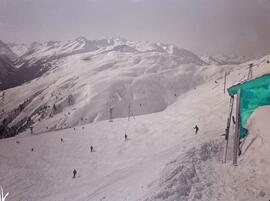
(136, 1)
(203, 26)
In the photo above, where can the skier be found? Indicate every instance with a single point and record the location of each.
(126, 137)
(92, 148)
(31, 129)
(62, 140)
(239, 148)
(74, 173)
(233, 120)
(196, 129)
(32, 149)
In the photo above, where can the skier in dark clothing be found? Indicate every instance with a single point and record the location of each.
(126, 137)
(62, 140)
(32, 149)
(234, 122)
(92, 148)
(239, 148)
(31, 129)
(196, 129)
(74, 173)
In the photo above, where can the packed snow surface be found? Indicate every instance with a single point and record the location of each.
(162, 158)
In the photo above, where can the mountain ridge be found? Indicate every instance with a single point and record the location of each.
(63, 79)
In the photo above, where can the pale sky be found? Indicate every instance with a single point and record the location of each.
(239, 27)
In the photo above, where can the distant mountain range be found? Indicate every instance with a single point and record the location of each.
(20, 63)
(60, 84)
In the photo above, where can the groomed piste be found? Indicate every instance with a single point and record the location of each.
(157, 99)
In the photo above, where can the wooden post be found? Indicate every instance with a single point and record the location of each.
(250, 72)
(237, 130)
(225, 79)
(129, 111)
(111, 115)
(227, 131)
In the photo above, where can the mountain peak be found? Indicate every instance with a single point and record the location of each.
(81, 38)
(5, 50)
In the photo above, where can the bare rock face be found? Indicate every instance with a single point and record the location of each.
(7, 59)
(6, 67)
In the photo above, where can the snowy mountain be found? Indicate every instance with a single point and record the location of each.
(162, 160)
(6, 67)
(14, 71)
(18, 48)
(58, 49)
(5, 50)
(155, 93)
(35, 58)
(7, 59)
(74, 76)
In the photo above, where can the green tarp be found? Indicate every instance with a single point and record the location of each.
(253, 94)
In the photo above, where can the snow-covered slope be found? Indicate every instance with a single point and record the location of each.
(166, 91)
(5, 50)
(161, 160)
(118, 169)
(83, 79)
(7, 59)
(6, 67)
(18, 48)
(224, 59)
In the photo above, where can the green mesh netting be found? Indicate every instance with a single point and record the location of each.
(253, 94)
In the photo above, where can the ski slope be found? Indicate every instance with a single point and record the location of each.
(161, 160)
(117, 170)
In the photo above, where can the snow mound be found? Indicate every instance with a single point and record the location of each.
(255, 161)
(190, 176)
(199, 174)
(261, 67)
